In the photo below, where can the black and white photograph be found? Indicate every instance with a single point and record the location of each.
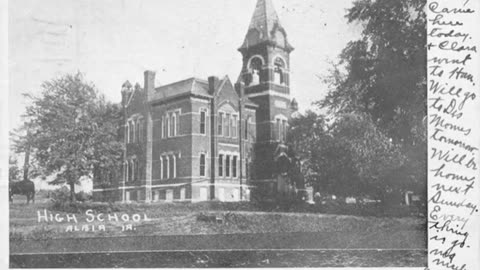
(229, 134)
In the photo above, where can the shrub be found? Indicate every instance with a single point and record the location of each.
(61, 202)
(83, 196)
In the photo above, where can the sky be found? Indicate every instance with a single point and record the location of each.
(112, 41)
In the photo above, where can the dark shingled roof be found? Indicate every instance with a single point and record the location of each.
(265, 21)
(193, 86)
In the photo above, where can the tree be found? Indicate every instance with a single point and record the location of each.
(383, 76)
(71, 130)
(374, 156)
(386, 69)
(351, 157)
(13, 170)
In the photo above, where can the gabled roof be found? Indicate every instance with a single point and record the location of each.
(193, 86)
(265, 21)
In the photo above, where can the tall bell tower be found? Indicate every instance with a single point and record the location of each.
(266, 74)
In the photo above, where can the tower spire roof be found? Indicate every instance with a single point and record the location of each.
(264, 27)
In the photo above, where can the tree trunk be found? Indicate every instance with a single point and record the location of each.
(26, 162)
(72, 192)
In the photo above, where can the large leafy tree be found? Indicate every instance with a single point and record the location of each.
(71, 130)
(350, 157)
(386, 69)
(383, 76)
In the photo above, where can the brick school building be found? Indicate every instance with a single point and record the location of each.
(210, 139)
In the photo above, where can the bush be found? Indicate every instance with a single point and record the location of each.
(83, 196)
(61, 202)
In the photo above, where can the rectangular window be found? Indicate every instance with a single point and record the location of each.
(234, 126)
(234, 166)
(202, 165)
(227, 125)
(131, 171)
(246, 129)
(220, 124)
(220, 165)
(227, 166)
(284, 124)
(177, 123)
(203, 117)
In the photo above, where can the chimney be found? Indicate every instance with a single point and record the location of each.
(212, 81)
(240, 89)
(149, 83)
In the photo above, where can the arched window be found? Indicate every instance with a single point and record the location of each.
(165, 167)
(161, 168)
(135, 170)
(173, 173)
(220, 123)
(131, 128)
(279, 67)
(137, 130)
(167, 126)
(177, 123)
(125, 166)
(164, 135)
(255, 67)
(173, 124)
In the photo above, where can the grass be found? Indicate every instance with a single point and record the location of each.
(185, 219)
